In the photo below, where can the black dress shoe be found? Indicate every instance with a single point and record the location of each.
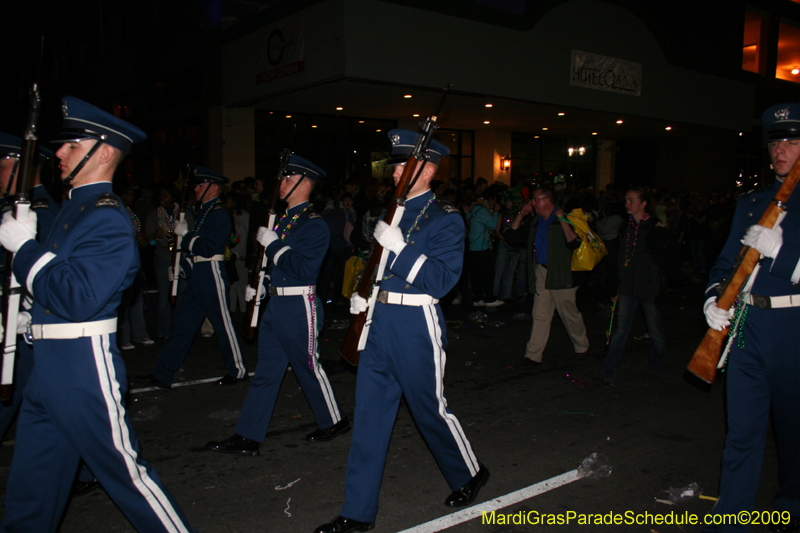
(341, 524)
(236, 445)
(467, 494)
(791, 527)
(227, 379)
(151, 381)
(323, 435)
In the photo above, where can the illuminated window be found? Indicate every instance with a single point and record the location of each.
(754, 46)
(788, 67)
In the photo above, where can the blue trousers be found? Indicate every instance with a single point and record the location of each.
(23, 367)
(626, 309)
(288, 336)
(73, 408)
(165, 311)
(206, 294)
(404, 356)
(763, 377)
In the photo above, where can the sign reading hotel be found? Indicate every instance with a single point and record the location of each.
(280, 52)
(606, 73)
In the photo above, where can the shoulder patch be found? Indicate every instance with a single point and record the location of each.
(313, 214)
(217, 205)
(107, 200)
(41, 203)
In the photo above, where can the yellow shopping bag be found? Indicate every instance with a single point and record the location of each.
(592, 248)
(352, 269)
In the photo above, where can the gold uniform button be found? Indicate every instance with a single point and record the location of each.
(55, 246)
(66, 225)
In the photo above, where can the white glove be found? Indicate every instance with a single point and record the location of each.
(389, 237)
(717, 318)
(14, 233)
(23, 321)
(265, 236)
(767, 241)
(250, 293)
(181, 228)
(171, 273)
(357, 304)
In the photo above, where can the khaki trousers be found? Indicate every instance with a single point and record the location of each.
(544, 303)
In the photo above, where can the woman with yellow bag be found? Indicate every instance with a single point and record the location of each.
(635, 271)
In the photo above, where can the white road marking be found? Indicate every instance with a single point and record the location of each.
(446, 522)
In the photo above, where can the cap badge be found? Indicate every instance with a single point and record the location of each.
(395, 140)
(782, 114)
(64, 108)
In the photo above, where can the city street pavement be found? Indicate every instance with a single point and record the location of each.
(526, 424)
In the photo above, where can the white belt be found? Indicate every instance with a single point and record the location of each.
(399, 298)
(73, 331)
(772, 302)
(290, 291)
(198, 259)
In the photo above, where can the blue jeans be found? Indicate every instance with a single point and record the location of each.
(504, 267)
(627, 307)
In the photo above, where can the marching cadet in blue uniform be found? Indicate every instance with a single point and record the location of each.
(405, 350)
(292, 320)
(206, 292)
(73, 404)
(763, 375)
(46, 209)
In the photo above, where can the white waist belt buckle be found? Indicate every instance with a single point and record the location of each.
(399, 298)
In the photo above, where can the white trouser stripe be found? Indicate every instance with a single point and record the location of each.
(121, 438)
(37, 266)
(226, 319)
(319, 372)
(439, 360)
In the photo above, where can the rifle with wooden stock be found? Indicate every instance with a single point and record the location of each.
(356, 338)
(176, 242)
(258, 270)
(706, 358)
(12, 291)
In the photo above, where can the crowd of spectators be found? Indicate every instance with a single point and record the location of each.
(495, 270)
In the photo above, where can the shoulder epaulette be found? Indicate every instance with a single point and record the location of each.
(41, 203)
(446, 206)
(107, 200)
(313, 214)
(218, 205)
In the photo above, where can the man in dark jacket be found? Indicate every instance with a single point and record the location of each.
(550, 243)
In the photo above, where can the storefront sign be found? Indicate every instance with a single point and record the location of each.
(281, 53)
(606, 73)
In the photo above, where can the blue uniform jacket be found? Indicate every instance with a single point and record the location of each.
(296, 259)
(776, 277)
(432, 260)
(208, 236)
(63, 273)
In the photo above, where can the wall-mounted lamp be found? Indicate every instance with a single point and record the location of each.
(505, 163)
